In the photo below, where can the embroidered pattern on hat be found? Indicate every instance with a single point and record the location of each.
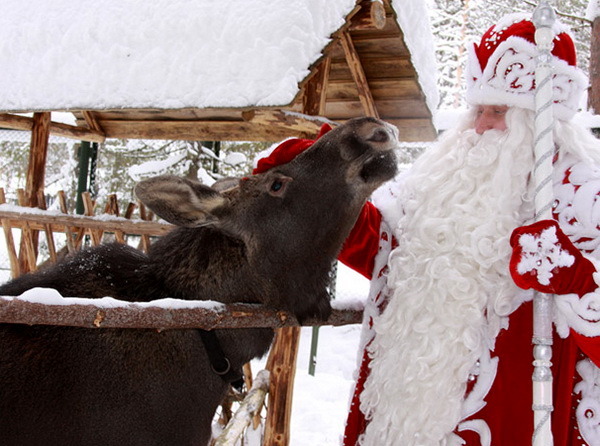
(501, 70)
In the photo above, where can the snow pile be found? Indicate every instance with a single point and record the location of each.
(413, 18)
(105, 54)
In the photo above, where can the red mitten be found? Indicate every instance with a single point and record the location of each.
(545, 259)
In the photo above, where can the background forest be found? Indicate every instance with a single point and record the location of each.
(120, 164)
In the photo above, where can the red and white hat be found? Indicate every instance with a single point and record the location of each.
(501, 69)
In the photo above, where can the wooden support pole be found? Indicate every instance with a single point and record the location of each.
(359, 76)
(15, 268)
(282, 367)
(28, 249)
(62, 200)
(34, 186)
(47, 229)
(36, 169)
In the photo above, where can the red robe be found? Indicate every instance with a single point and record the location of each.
(508, 409)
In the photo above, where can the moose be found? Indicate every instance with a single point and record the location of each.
(271, 239)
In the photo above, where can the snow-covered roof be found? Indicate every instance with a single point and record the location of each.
(177, 54)
(79, 54)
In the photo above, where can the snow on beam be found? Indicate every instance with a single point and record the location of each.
(31, 309)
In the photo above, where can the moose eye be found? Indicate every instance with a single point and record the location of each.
(278, 186)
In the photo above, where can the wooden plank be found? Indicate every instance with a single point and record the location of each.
(315, 90)
(391, 46)
(145, 239)
(180, 114)
(28, 248)
(388, 109)
(16, 122)
(112, 208)
(74, 313)
(374, 68)
(15, 269)
(89, 205)
(303, 125)
(62, 200)
(415, 130)
(47, 229)
(196, 131)
(282, 367)
(360, 79)
(380, 89)
(62, 222)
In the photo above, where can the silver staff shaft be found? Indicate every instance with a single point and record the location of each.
(543, 18)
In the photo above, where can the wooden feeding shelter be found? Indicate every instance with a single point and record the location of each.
(132, 76)
(235, 70)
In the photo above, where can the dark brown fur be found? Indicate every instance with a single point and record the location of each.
(253, 243)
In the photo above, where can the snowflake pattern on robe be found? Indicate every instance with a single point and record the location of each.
(543, 255)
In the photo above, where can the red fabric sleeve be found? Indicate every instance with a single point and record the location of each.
(362, 245)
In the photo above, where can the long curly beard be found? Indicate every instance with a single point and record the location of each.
(450, 282)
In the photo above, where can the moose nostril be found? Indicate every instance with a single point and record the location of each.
(379, 135)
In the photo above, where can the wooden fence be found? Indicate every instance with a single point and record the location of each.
(37, 224)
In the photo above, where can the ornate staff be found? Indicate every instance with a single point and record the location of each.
(543, 18)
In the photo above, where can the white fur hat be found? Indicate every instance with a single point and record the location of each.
(501, 69)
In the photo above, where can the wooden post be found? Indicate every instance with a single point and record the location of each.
(34, 184)
(36, 170)
(284, 352)
(282, 367)
(15, 269)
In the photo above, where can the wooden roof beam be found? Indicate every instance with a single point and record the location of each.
(92, 121)
(370, 16)
(16, 122)
(358, 74)
(298, 124)
(250, 130)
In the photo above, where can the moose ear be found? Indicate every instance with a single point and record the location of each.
(178, 200)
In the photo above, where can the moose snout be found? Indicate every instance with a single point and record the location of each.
(381, 135)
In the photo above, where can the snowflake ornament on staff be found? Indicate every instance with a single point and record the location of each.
(543, 18)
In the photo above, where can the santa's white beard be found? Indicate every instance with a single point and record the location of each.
(450, 283)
